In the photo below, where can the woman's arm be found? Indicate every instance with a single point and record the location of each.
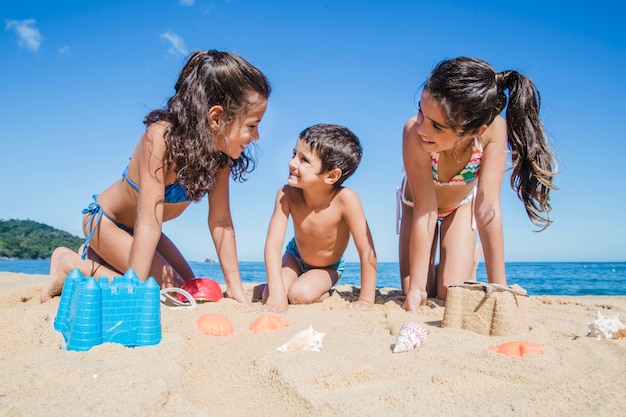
(362, 236)
(487, 205)
(223, 234)
(420, 181)
(277, 294)
(147, 229)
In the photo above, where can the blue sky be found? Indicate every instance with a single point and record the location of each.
(76, 80)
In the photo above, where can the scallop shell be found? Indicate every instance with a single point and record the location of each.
(305, 340)
(215, 324)
(518, 348)
(268, 322)
(411, 336)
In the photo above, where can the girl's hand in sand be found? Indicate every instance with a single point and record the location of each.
(414, 299)
(271, 309)
(275, 305)
(359, 304)
(267, 308)
(237, 294)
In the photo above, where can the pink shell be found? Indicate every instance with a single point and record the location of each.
(411, 336)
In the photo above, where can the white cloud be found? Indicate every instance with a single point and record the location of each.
(178, 46)
(28, 35)
(186, 2)
(64, 50)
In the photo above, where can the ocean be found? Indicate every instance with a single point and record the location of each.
(538, 278)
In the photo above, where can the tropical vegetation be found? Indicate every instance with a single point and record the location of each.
(28, 239)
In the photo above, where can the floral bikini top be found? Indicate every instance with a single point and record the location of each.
(467, 175)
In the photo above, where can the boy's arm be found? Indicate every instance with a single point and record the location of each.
(357, 223)
(277, 294)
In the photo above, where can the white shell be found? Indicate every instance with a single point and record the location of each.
(604, 326)
(411, 336)
(305, 340)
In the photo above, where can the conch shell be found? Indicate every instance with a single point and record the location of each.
(307, 340)
(411, 336)
(607, 327)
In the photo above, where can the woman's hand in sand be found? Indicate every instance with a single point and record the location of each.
(414, 300)
(361, 305)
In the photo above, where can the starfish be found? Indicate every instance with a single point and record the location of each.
(518, 348)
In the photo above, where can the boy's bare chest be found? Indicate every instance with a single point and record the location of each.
(317, 221)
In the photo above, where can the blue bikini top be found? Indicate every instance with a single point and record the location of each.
(174, 193)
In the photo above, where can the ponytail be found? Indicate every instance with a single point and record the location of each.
(472, 94)
(533, 165)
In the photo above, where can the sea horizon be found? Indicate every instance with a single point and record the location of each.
(537, 278)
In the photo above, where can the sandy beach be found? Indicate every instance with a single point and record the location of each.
(190, 373)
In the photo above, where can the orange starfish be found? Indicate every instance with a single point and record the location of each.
(518, 348)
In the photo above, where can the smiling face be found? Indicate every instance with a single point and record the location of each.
(304, 166)
(243, 130)
(432, 127)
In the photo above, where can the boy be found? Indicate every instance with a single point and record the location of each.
(324, 215)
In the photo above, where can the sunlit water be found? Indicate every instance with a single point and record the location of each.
(541, 278)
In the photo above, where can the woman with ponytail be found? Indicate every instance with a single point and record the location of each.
(455, 153)
(189, 150)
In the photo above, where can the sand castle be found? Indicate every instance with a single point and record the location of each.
(488, 309)
(124, 310)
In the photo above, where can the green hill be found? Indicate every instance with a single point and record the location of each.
(27, 239)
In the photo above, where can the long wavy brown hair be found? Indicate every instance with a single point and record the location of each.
(471, 94)
(208, 78)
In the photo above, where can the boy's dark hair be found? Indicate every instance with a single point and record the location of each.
(336, 146)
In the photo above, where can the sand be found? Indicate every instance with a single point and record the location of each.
(355, 374)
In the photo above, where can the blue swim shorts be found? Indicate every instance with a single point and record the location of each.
(292, 249)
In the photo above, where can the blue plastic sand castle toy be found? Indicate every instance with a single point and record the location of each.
(124, 310)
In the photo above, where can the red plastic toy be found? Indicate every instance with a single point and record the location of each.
(201, 289)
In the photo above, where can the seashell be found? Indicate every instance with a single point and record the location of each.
(411, 336)
(307, 340)
(268, 322)
(604, 326)
(518, 348)
(201, 289)
(215, 324)
(620, 334)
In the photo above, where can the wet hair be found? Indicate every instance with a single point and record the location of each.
(336, 146)
(208, 78)
(471, 94)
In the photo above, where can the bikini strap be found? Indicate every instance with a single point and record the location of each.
(95, 211)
